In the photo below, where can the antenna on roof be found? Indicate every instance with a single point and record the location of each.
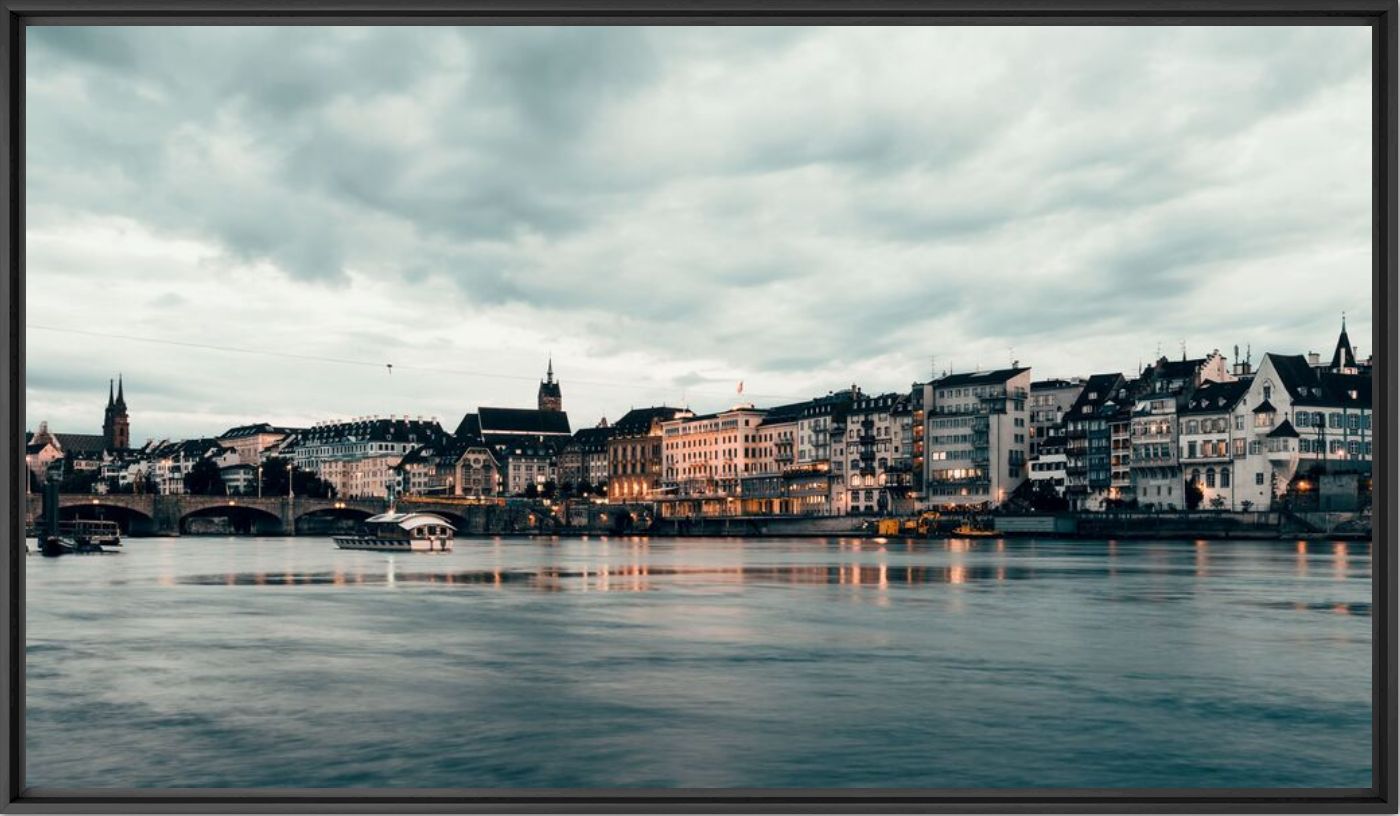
(1183, 351)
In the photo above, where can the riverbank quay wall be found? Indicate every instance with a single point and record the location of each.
(1186, 524)
(171, 515)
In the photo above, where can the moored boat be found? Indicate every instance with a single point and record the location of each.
(401, 532)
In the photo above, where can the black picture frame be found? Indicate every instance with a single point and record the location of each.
(1380, 15)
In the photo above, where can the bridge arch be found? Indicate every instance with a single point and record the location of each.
(329, 520)
(230, 519)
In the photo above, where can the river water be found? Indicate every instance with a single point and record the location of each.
(594, 662)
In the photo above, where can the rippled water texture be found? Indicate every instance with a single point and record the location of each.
(702, 663)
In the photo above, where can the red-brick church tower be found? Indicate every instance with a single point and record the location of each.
(116, 426)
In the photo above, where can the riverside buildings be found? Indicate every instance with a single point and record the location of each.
(1182, 434)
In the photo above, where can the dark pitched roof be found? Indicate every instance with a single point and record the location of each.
(979, 377)
(1054, 384)
(449, 449)
(495, 421)
(1265, 407)
(187, 448)
(1343, 357)
(592, 439)
(1177, 369)
(1284, 429)
(517, 445)
(78, 444)
(1345, 390)
(638, 421)
(1293, 370)
(469, 427)
(1214, 397)
(423, 431)
(784, 413)
(880, 403)
(242, 431)
(1097, 390)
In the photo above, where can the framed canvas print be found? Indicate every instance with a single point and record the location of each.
(747, 406)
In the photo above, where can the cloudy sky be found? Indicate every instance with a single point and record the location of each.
(669, 211)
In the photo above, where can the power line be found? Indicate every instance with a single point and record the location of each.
(386, 366)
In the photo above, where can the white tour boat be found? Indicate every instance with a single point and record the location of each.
(401, 532)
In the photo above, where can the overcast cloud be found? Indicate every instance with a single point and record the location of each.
(672, 210)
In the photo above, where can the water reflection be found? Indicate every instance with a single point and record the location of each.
(637, 577)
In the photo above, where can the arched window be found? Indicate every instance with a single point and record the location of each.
(1224, 477)
(1210, 477)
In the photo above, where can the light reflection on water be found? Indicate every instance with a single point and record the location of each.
(703, 662)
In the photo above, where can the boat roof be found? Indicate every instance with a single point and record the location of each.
(408, 521)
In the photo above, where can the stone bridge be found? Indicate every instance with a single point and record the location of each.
(250, 515)
(175, 515)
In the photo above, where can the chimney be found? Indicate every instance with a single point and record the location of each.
(1314, 359)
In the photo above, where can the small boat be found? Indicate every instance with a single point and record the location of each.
(81, 537)
(971, 532)
(400, 532)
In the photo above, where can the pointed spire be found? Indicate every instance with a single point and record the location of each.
(121, 397)
(549, 374)
(1343, 357)
(110, 401)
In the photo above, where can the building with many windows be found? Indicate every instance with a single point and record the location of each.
(252, 442)
(1049, 401)
(1208, 442)
(1164, 388)
(705, 459)
(878, 450)
(1089, 442)
(976, 438)
(635, 456)
(1304, 429)
(478, 474)
(583, 461)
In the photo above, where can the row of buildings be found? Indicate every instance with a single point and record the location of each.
(1179, 434)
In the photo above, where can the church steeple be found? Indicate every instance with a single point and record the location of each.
(550, 398)
(116, 426)
(1344, 358)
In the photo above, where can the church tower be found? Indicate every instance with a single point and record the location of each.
(1344, 358)
(550, 398)
(116, 426)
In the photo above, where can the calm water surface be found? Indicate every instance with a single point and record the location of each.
(702, 663)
